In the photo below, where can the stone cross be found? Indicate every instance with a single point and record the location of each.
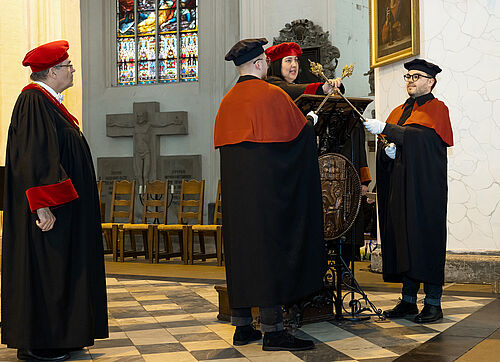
(145, 125)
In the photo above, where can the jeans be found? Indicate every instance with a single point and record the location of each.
(271, 318)
(411, 286)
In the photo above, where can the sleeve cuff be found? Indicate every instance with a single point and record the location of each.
(364, 174)
(312, 88)
(394, 132)
(51, 195)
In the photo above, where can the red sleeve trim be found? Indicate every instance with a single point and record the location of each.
(51, 195)
(312, 88)
(365, 174)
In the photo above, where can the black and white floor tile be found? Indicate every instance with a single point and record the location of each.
(157, 320)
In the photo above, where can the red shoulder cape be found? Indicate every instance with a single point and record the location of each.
(432, 114)
(256, 111)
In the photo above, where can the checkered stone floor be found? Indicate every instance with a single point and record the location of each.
(153, 320)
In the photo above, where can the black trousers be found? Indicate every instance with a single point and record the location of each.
(271, 318)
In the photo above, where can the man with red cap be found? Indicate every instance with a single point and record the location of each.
(412, 190)
(271, 200)
(53, 281)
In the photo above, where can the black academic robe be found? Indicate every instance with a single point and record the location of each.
(412, 197)
(53, 283)
(272, 219)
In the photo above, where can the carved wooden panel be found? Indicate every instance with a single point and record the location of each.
(341, 193)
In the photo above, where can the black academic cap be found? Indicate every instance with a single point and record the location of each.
(246, 50)
(424, 66)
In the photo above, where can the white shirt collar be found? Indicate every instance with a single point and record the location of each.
(56, 95)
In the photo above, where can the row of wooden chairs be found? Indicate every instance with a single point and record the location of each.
(154, 222)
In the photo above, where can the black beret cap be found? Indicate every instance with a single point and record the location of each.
(246, 50)
(424, 66)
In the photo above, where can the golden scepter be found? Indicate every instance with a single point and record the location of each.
(317, 70)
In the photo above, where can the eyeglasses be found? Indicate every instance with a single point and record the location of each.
(414, 77)
(70, 66)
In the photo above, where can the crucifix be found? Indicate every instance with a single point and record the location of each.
(146, 124)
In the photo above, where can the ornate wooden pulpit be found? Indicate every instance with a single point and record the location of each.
(341, 194)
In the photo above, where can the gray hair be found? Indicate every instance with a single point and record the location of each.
(39, 76)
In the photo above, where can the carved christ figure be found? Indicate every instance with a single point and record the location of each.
(144, 129)
(142, 147)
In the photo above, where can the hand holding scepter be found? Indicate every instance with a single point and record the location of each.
(317, 70)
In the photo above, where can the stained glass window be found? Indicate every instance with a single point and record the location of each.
(157, 41)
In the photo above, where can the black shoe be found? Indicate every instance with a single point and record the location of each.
(42, 355)
(284, 341)
(402, 309)
(430, 313)
(245, 334)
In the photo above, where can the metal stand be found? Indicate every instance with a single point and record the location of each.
(359, 301)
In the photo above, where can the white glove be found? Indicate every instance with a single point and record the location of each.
(390, 151)
(314, 116)
(374, 125)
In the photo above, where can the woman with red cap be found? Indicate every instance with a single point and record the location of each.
(284, 69)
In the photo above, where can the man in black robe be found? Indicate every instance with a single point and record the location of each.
(271, 201)
(53, 281)
(412, 192)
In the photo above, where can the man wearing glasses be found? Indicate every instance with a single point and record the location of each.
(271, 201)
(412, 193)
(53, 282)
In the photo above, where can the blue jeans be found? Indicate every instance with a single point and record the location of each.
(433, 292)
(271, 318)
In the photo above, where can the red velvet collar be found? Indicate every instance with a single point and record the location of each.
(71, 119)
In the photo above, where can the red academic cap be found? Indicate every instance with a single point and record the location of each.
(46, 55)
(283, 50)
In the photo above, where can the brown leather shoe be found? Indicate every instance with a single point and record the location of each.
(402, 309)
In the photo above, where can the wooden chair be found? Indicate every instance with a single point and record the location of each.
(123, 197)
(154, 208)
(214, 230)
(191, 197)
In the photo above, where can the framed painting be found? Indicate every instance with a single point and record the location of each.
(394, 31)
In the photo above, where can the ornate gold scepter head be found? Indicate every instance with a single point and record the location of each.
(317, 70)
(347, 70)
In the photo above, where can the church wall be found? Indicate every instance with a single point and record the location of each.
(218, 31)
(463, 38)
